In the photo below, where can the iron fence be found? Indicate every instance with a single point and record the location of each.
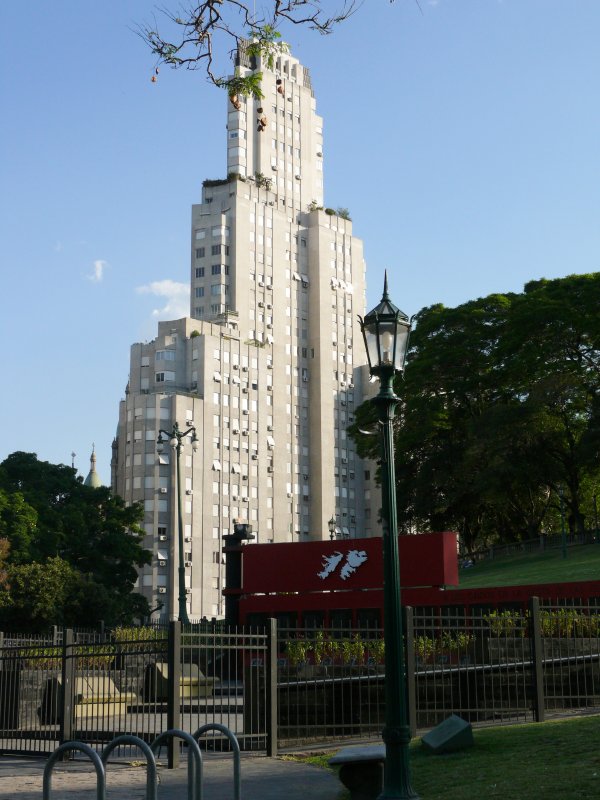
(275, 688)
(541, 543)
(150, 680)
(477, 666)
(329, 684)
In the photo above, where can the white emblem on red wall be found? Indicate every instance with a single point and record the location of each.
(354, 559)
(329, 564)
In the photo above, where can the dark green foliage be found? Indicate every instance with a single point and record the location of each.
(73, 549)
(500, 406)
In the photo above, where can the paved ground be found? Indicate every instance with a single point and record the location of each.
(262, 779)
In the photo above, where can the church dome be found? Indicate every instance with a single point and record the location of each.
(93, 479)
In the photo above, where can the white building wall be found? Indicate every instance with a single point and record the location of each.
(268, 368)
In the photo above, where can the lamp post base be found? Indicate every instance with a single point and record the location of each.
(396, 779)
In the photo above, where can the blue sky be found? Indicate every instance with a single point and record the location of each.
(463, 138)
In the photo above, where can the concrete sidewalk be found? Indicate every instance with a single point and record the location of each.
(262, 779)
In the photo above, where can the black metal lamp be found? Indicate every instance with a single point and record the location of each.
(386, 330)
(332, 524)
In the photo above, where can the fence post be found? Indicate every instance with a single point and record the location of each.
(68, 684)
(174, 692)
(411, 694)
(271, 688)
(537, 670)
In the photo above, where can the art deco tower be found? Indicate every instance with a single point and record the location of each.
(269, 366)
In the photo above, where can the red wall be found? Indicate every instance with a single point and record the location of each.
(428, 559)
(494, 596)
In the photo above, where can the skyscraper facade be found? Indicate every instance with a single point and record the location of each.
(269, 366)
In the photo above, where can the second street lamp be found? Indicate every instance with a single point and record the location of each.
(175, 437)
(385, 330)
(332, 524)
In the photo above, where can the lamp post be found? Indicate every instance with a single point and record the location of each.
(175, 438)
(332, 524)
(597, 532)
(563, 532)
(385, 330)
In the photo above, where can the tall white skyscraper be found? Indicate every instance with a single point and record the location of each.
(269, 366)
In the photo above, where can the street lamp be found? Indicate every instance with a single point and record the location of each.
(175, 438)
(332, 524)
(385, 330)
(597, 536)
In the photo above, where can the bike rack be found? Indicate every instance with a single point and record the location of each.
(92, 755)
(195, 764)
(194, 759)
(237, 764)
(151, 775)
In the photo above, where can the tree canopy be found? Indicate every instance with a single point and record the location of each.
(499, 412)
(69, 551)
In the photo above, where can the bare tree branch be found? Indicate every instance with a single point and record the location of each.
(202, 29)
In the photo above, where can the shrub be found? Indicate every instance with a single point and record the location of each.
(87, 656)
(144, 639)
(506, 623)
(426, 646)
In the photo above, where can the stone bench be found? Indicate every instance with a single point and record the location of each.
(361, 770)
(93, 696)
(192, 682)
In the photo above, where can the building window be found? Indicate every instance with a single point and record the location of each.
(199, 272)
(163, 377)
(220, 230)
(165, 355)
(199, 312)
(199, 291)
(200, 252)
(200, 233)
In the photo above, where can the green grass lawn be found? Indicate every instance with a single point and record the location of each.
(581, 564)
(540, 761)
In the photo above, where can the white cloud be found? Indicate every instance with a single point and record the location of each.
(177, 298)
(98, 271)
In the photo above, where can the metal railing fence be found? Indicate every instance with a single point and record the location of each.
(539, 544)
(477, 666)
(273, 688)
(329, 684)
(143, 683)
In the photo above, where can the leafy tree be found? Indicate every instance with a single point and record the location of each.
(4, 550)
(17, 525)
(39, 595)
(499, 409)
(46, 513)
